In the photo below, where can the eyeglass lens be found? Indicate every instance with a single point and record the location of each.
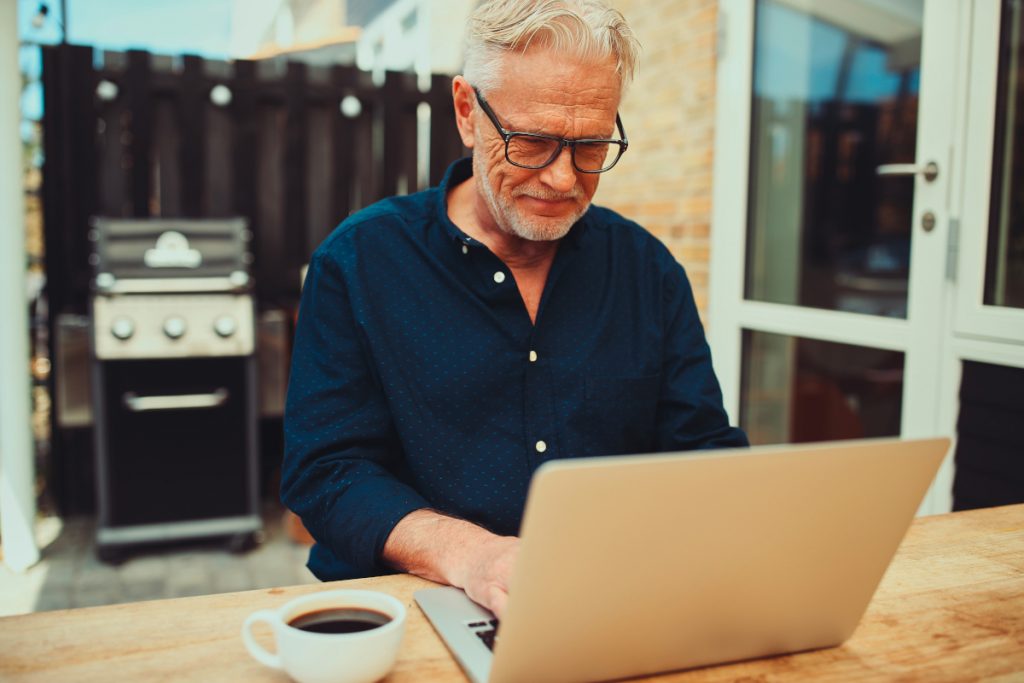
(536, 152)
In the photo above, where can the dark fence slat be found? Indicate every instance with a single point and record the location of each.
(320, 176)
(219, 164)
(165, 199)
(271, 255)
(246, 146)
(445, 143)
(56, 168)
(296, 213)
(399, 173)
(137, 93)
(192, 106)
(343, 79)
(367, 134)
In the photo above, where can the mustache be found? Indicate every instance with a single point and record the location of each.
(546, 194)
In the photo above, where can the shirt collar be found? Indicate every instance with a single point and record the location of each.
(462, 170)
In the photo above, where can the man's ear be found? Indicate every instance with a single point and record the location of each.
(465, 103)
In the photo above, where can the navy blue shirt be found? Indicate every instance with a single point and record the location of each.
(419, 381)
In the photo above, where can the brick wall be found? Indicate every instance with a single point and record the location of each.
(664, 180)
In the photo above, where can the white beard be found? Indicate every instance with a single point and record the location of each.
(509, 219)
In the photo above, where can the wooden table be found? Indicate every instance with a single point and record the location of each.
(951, 607)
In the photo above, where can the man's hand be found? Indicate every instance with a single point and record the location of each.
(487, 571)
(456, 552)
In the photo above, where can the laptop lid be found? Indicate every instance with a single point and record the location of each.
(642, 564)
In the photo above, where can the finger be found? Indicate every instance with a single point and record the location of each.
(497, 599)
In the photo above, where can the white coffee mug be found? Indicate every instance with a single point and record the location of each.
(308, 657)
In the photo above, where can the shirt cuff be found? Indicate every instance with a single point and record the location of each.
(361, 521)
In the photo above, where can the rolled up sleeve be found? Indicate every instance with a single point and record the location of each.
(690, 412)
(341, 452)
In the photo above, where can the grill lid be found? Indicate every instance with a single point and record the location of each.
(181, 254)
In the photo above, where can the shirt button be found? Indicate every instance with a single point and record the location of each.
(541, 446)
(499, 277)
(465, 249)
(533, 356)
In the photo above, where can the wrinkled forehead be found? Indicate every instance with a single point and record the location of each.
(541, 75)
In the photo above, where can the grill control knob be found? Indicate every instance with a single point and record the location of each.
(123, 328)
(225, 326)
(174, 327)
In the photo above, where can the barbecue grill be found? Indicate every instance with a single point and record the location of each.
(174, 382)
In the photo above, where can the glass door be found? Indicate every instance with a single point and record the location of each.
(833, 152)
(990, 301)
(983, 375)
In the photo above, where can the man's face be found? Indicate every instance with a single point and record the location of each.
(543, 92)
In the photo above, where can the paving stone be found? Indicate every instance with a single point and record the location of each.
(91, 574)
(143, 589)
(103, 595)
(232, 579)
(145, 568)
(186, 590)
(53, 598)
(60, 570)
(183, 575)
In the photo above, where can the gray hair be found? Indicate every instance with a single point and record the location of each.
(588, 29)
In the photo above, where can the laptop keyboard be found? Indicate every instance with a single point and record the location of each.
(486, 631)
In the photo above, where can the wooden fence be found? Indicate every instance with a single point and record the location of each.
(292, 148)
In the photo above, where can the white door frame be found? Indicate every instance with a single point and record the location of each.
(973, 318)
(919, 337)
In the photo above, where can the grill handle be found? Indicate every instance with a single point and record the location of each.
(144, 404)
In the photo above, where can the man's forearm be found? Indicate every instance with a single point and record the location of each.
(434, 546)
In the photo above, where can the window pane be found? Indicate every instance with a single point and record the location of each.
(1004, 271)
(835, 96)
(798, 390)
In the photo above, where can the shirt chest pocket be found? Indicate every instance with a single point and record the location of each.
(620, 414)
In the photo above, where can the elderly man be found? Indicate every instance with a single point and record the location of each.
(451, 341)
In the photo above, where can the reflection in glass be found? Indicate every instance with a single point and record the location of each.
(835, 96)
(799, 390)
(1004, 271)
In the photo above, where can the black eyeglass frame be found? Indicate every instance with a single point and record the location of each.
(507, 135)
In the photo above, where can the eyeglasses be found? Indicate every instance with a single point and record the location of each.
(535, 150)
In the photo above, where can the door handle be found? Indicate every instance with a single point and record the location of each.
(930, 171)
(143, 404)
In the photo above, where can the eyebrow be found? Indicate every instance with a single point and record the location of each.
(538, 131)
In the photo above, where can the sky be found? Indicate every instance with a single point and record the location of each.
(166, 26)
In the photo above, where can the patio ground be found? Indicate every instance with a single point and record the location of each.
(69, 575)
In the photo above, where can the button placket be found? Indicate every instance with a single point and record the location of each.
(540, 425)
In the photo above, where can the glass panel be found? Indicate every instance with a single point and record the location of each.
(835, 96)
(1004, 271)
(797, 390)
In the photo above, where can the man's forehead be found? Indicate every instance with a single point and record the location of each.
(539, 68)
(546, 84)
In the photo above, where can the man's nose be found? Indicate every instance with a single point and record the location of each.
(560, 174)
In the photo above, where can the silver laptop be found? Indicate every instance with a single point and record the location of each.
(642, 564)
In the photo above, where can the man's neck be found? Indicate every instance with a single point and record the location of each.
(468, 211)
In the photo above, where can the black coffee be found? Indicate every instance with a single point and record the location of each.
(340, 620)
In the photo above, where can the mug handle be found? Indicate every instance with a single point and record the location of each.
(254, 648)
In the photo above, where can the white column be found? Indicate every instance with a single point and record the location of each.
(17, 492)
